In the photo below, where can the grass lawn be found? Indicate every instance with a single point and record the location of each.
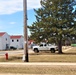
(68, 56)
(37, 69)
(42, 58)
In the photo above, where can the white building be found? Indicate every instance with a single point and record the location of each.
(4, 41)
(17, 41)
(30, 43)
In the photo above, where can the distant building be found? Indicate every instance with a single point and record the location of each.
(17, 41)
(30, 43)
(4, 41)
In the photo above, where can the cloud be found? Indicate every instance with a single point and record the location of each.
(12, 6)
(33, 4)
(12, 23)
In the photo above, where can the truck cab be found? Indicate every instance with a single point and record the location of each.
(45, 47)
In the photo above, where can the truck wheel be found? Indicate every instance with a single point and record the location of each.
(36, 50)
(52, 50)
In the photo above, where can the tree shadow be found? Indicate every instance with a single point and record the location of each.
(69, 53)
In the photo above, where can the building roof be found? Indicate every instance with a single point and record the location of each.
(15, 36)
(31, 40)
(2, 33)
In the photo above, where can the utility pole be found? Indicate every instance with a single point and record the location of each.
(25, 56)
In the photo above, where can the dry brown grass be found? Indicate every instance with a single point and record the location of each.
(68, 56)
(38, 69)
(43, 58)
(54, 70)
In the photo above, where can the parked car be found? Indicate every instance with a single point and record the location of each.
(12, 47)
(45, 47)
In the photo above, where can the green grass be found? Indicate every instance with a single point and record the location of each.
(73, 45)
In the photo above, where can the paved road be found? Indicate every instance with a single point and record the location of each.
(14, 52)
(29, 50)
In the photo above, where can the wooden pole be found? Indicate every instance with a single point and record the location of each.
(25, 56)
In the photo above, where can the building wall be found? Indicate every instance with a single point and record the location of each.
(18, 43)
(21, 42)
(5, 42)
(0, 43)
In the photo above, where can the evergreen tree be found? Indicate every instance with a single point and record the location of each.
(54, 20)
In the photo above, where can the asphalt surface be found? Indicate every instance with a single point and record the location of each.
(2, 53)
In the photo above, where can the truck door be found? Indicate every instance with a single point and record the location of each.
(43, 47)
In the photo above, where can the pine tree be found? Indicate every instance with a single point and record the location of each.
(54, 20)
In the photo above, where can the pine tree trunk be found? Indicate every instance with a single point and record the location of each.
(60, 46)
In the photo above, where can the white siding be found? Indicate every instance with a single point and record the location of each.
(5, 41)
(22, 42)
(0, 43)
(18, 43)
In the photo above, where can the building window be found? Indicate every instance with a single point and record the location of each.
(12, 40)
(17, 40)
(41, 45)
(6, 39)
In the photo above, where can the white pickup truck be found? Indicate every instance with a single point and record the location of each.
(45, 47)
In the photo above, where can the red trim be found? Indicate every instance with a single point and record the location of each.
(15, 36)
(2, 33)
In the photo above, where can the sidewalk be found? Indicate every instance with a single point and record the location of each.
(36, 63)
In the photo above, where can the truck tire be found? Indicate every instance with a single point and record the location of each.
(36, 50)
(52, 50)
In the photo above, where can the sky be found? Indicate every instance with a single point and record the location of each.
(11, 15)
